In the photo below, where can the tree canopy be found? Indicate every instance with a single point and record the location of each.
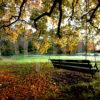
(56, 19)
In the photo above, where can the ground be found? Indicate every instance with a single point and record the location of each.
(34, 77)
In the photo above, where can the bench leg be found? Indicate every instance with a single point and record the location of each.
(92, 75)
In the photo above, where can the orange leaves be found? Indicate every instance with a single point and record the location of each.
(32, 85)
(54, 88)
(7, 79)
(6, 84)
(39, 86)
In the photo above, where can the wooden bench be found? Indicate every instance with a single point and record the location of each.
(83, 66)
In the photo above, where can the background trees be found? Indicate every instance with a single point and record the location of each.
(50, 23)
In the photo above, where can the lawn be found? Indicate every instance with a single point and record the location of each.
(33, 77)
(42, 58)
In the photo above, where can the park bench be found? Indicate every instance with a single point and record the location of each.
(83, 66)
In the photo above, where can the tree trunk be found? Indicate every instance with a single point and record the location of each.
(25, 47)
(16, 48)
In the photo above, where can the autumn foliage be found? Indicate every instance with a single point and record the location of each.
(24, 88)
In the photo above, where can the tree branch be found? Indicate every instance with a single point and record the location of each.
(17, 17)
(94, 11)
(60, 18)
(92, 24)
(49, 14)
(72, 10)
(87, 13)
(45, 14)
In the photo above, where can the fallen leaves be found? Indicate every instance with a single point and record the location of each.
(22, 88)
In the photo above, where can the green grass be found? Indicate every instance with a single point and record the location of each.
(27, 62)
(24, 61)
(41, 58)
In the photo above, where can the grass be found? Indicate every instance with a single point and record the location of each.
(53, 83)
(40, 58)
(24, 63)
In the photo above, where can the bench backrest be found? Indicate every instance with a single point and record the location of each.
(76, 61)
(80, 63)
(76, 65)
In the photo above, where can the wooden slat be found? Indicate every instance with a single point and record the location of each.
(75, 68)
(75, 65)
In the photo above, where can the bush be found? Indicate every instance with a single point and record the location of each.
(7, 52)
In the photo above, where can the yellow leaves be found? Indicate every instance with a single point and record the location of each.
(12, 8)
(74, 2)
(95, 1)
(0, 1)
(97, 18)
(69, 39)
(11, 34)
(62, 41)
(90, 45)
(7, 30)
(6, 16)
(17, 1)
(14, 37)
(42, 46)
(36, 44)
(37, 4)
(70, 1)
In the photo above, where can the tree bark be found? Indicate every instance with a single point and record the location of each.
(16, 48)
(25, 46)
